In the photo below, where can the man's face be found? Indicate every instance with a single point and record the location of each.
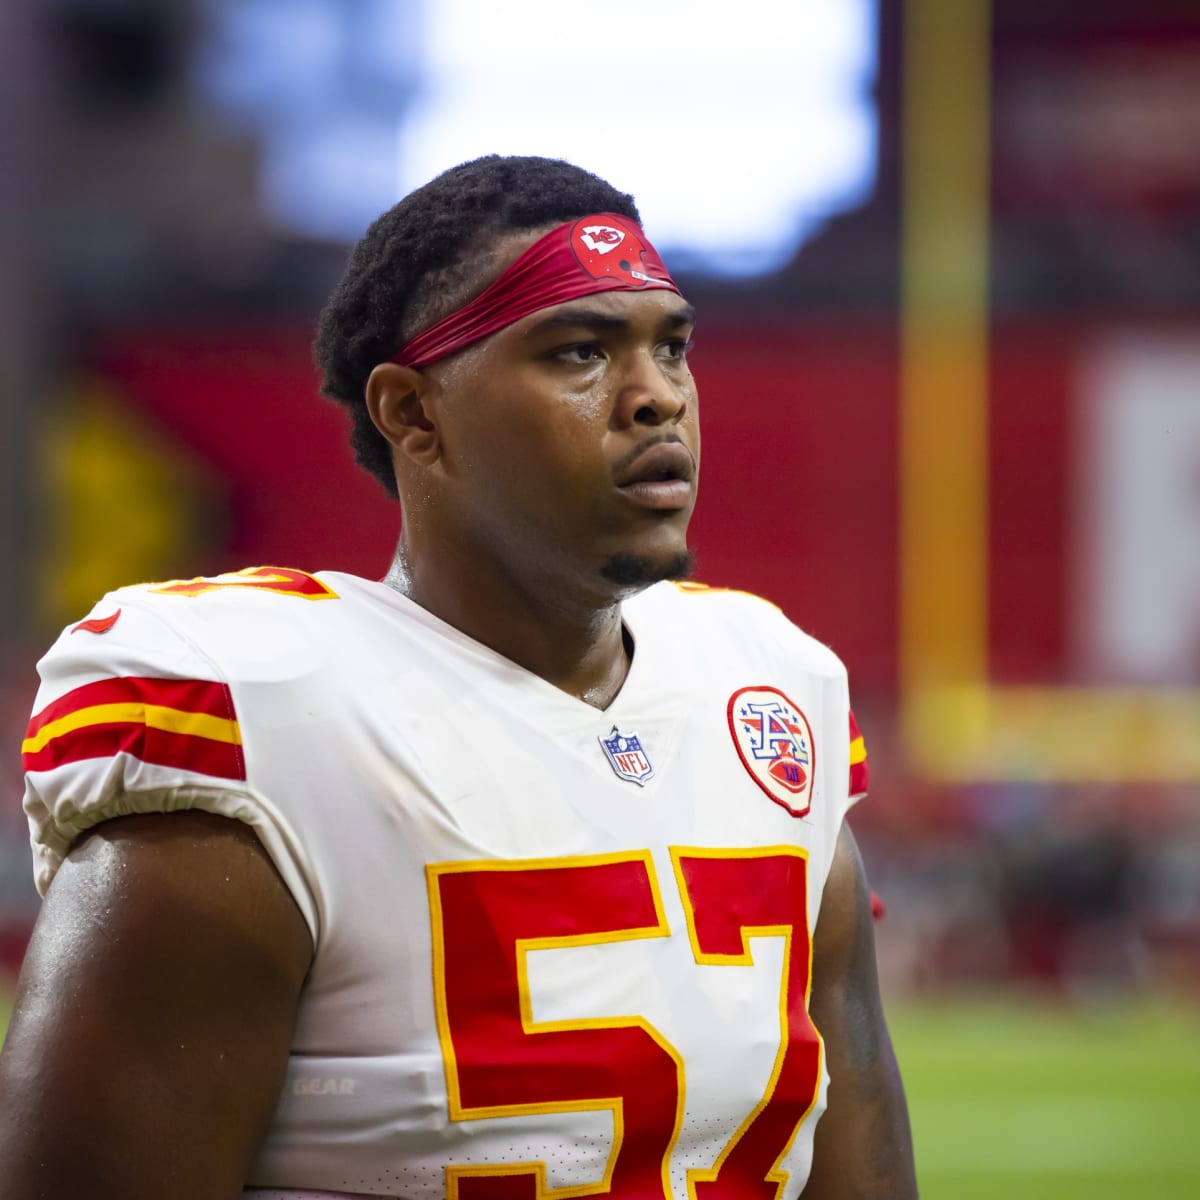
(570, 440)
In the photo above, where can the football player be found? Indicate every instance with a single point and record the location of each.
(523, 872)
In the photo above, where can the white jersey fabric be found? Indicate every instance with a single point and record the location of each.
(542, 966)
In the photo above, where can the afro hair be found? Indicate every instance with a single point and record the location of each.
(427, 256)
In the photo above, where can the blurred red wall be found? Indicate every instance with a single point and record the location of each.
(800, 472)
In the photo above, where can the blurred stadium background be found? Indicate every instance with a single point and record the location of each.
(947, 258)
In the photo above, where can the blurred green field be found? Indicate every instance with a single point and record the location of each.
(1018, 1099)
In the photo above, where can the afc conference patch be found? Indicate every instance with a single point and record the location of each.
(774, 741)
(626, 756)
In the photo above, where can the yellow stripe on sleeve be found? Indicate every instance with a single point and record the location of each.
(155, 716)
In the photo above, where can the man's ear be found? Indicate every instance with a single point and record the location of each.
(398, 399)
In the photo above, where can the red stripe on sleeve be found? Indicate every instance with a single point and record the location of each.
(189, 695)
(186, 752)
(860, 772)
(860, 779)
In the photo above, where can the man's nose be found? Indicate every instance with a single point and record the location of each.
(648, 395)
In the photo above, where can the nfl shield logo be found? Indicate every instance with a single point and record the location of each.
(626, 756)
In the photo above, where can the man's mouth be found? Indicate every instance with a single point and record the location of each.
(660, 476)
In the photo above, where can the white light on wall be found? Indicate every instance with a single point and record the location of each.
(740, 128)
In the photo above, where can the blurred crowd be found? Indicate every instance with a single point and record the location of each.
(1088, 893)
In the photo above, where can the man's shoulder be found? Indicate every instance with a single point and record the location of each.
(703, 612)
(253, 584)
(701, 597)
(250, 599)
(217, 625)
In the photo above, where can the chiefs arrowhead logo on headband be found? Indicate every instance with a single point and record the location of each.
(593, 243)
(600, 253)
(600, 239)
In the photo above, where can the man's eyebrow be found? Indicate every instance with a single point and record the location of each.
(682, 316)
(593, 318)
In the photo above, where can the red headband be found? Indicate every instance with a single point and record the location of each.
(601, 253)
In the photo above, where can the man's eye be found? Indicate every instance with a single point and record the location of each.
(584, 352)
(678, 348)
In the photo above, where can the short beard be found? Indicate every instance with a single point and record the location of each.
(639, 570)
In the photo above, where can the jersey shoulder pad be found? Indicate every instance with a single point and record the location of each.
(751, 617)
(133, 716)
(263, 581)
(122, 681)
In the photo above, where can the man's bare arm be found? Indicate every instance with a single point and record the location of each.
(153, 1016)
(863, 1148)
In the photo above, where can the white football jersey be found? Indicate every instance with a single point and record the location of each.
(559, 951)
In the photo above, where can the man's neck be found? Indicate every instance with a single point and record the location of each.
(578, 644)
